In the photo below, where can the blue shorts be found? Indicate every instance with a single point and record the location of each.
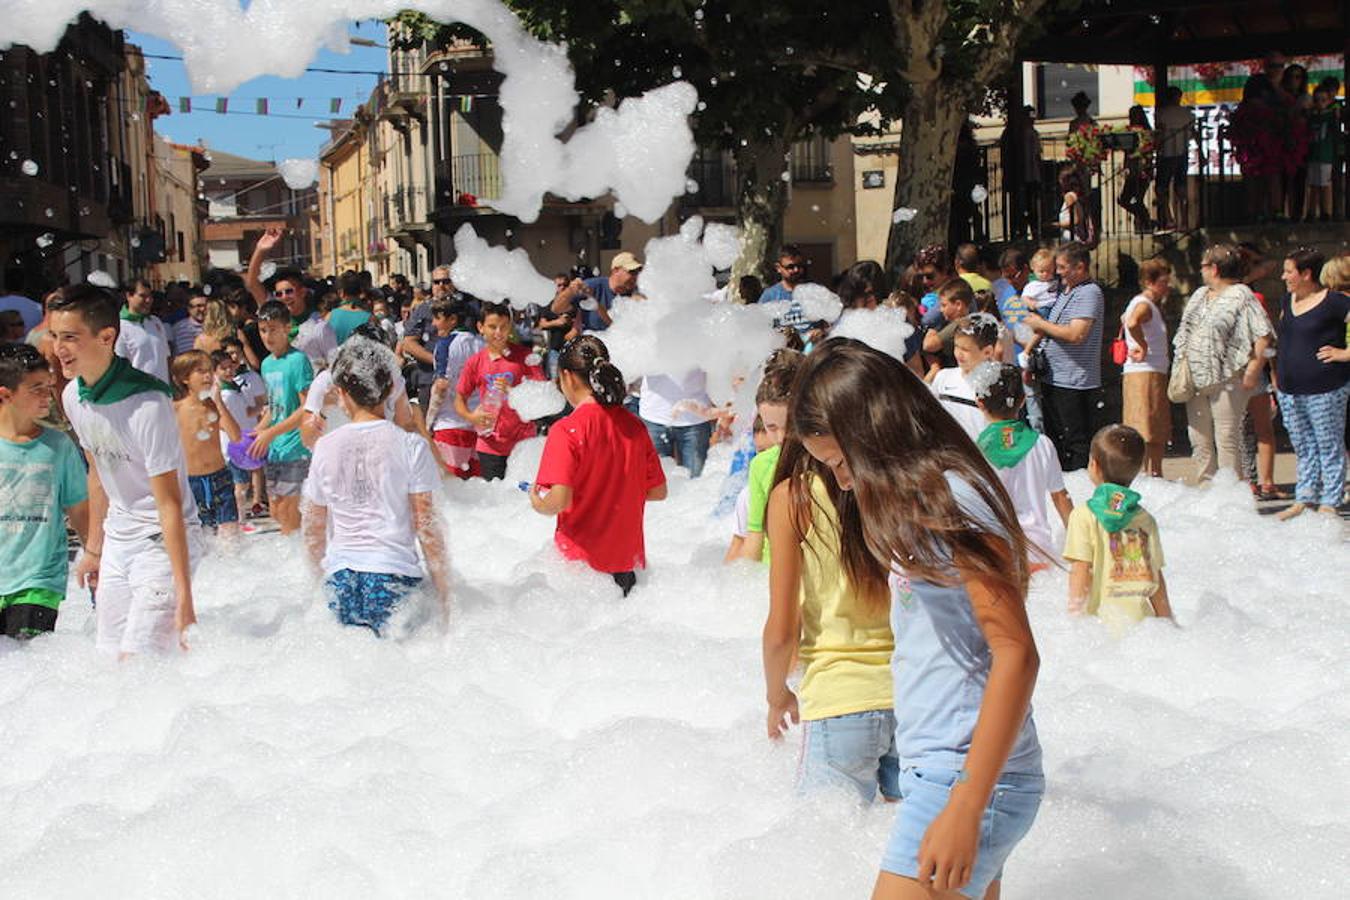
(1007, 819)
(238, 475)
(856, 750)
(214, 494)
(367, 598)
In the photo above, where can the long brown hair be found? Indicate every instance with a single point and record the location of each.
(900, 444)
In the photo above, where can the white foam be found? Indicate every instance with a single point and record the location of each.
(537, 400)
(298, 173)
(883, 328)
(497, 274)
(562, 742)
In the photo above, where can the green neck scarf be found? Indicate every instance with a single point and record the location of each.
(1005, 443)
(229, 385)
(1114, 506)
(128, 316)
(118, 383)
(296, 322)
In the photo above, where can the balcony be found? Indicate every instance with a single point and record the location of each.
(400, 97)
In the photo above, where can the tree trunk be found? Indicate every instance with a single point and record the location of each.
(761, 201)
(928, 131)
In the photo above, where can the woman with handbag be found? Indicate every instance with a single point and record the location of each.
(1143, 346)
(1220, 349)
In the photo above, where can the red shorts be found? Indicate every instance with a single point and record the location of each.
(456, 446)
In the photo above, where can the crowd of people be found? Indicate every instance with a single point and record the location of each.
(901, 496)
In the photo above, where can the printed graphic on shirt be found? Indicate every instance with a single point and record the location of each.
(25, 495)
(902, 591)
(1130, 560)
(101, 441)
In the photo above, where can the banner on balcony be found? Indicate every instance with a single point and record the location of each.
(1206, 84)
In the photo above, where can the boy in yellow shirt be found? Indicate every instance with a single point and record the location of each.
(1112, 542)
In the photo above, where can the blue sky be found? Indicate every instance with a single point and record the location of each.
(276, 135)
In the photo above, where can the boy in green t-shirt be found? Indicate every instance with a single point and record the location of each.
(288, 375)
(771, 401)
(42, 481)
(1112, 542)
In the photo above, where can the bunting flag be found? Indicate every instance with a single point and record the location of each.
(466, 104)
(335, 106)
(262, 106)
(185, 104)
(222, 105)
(299, 101)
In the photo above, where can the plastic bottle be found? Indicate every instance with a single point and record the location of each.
(492, 399)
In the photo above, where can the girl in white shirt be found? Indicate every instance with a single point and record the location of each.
(1145, 406)
(369, 495)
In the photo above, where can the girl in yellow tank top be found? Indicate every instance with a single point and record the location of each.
(844, 643)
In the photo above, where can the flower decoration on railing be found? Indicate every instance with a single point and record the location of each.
(1268, 138)
(1086, 149)
(466, 199)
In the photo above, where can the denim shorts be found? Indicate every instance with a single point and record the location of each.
(856, 750)
(284, 479)
(238, 475)
(1007, 819)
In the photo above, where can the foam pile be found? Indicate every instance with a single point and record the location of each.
(561, 742)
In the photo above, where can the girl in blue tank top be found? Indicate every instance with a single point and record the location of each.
(926, 526)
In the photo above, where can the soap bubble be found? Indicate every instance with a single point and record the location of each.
(903, 214)
(979, 193)
(49, 212)
(690, 186)
(590, 304)
(100, 278)
(677, 72)
(267, 270)
(135, 242)
(45, 240)
(29, 167)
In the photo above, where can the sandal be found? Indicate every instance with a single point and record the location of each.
(1269, 492)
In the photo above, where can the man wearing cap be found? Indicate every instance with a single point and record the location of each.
(622, 282)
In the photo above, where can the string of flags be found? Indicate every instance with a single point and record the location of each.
(263, 106)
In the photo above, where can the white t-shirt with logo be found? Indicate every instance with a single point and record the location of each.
(1030, 484)
(363, 473)
(952, 383)
(130, 442)
(145, 344)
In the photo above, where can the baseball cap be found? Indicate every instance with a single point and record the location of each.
(626, 260)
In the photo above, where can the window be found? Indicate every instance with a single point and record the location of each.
(811, 160)
(182, 248)
(1056, 83)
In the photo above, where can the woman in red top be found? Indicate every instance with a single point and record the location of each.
(599, 467)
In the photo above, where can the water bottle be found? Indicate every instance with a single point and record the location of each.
(493, 396)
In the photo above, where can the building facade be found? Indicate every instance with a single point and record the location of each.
(244, 197)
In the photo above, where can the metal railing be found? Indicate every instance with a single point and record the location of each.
(479, 174)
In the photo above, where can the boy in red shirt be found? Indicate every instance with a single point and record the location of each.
(599, 467)
(492, 372)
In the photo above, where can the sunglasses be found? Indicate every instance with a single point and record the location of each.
(791, 267)
(441, 281)
(286, 292)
